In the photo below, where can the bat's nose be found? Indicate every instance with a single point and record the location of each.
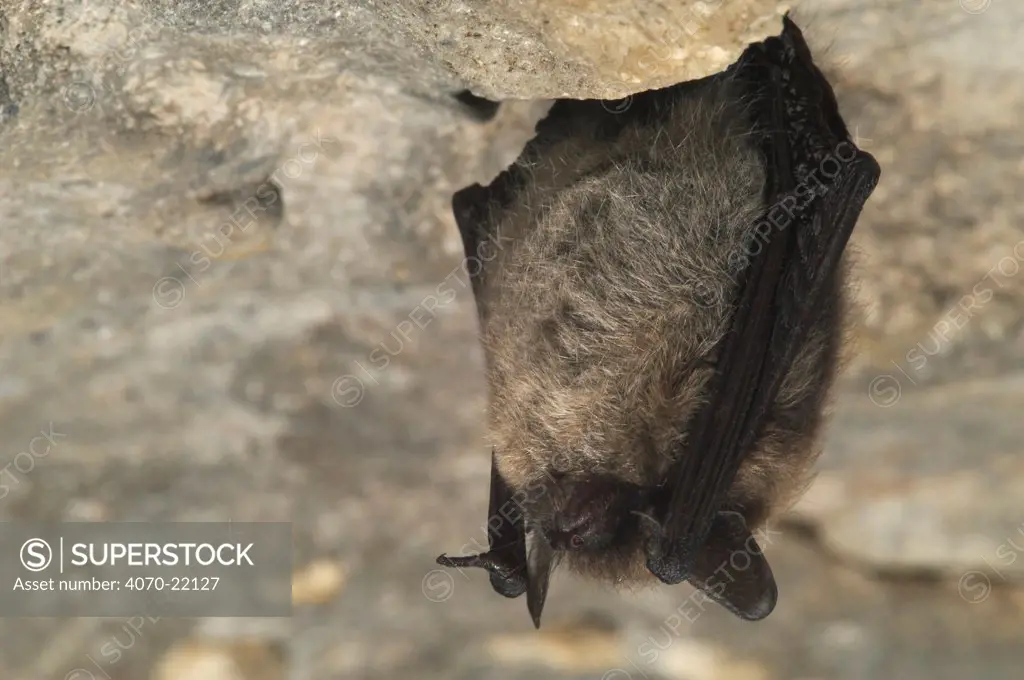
(582, 534)
(564, 540)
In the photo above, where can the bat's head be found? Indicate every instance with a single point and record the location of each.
(606, 528)
(610, 529)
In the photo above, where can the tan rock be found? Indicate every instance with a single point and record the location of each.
(699, 661)
(572, 647)
(318, 582)
(628, 43)
(584, 48)
(219, 660)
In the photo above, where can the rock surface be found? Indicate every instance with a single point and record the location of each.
(224, 238)
(932, 488)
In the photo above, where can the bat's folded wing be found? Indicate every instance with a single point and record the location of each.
(785, 286)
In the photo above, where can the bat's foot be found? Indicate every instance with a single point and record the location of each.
(505, 578)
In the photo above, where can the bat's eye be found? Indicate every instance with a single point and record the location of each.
(581, 535)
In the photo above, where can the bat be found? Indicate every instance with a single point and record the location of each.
(659, 284)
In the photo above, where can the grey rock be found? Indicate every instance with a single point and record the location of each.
(926, 479)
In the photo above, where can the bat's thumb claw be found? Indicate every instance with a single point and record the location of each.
(669, 569)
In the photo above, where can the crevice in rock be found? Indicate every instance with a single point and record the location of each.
(480, 108)
(263, 200)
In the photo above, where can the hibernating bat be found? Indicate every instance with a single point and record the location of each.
(660, 288)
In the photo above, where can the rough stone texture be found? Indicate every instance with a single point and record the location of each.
(931, 488)
(194, 362)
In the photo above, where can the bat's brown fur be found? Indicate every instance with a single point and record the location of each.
(613, 282)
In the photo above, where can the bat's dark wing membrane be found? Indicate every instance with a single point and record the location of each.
(796, 114)
(742, 582)
(471, 207)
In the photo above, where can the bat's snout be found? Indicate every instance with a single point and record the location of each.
(588, 514)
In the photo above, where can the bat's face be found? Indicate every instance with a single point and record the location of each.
(606, 528)
(598, 525)
(651, 402)
(584, 515)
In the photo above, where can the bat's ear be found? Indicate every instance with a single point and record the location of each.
(731, 569)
